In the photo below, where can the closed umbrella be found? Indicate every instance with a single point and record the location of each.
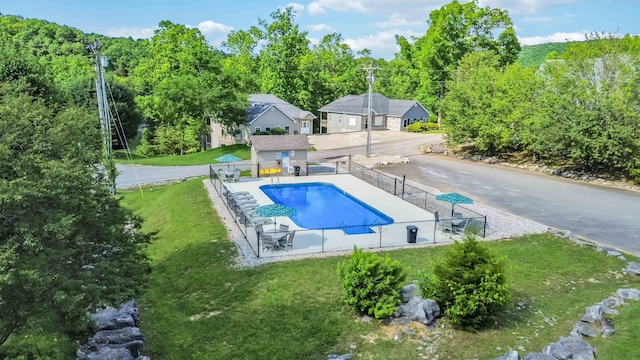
(275, 210)
(454, 198)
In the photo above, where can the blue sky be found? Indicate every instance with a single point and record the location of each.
(368, 24)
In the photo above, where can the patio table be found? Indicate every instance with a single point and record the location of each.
(279, 236)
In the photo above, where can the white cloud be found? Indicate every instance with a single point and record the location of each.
(296, 7)
(398, 19)
(211, 27)
(557, 37)
(526, 6)
(315, 8)
(547, 19)
(135, 33)
(383, 43)
(321, 27)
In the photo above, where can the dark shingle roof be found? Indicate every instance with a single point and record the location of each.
(259, 103)
(279, 142)
(380, 104)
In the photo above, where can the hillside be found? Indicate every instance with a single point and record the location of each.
(534, 55)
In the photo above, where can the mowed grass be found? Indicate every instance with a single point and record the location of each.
(201, 158)
(199, 306)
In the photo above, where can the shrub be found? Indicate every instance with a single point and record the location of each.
(432, 126)
(469, 284)
(418, 126)
(371, 285)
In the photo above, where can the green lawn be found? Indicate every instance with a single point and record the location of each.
(201, 158)
(199, 306)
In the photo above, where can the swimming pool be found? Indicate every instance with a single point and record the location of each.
(325, 206)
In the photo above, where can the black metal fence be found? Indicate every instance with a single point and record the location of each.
(418, 197)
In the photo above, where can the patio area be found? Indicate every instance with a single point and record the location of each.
(315, 241)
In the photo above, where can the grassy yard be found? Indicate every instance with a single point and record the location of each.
(198, 306)
(201, 158)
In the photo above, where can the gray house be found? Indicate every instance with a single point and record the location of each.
(265, 111)
(268, 111)
(278, 154)
(349, 113)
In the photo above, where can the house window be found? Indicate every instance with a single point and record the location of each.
(293, 153)
(340, 119)
(267, 129)
(286, 128)
(257, 129)
(352, 121)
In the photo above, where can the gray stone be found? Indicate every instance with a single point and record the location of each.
(143, 357)
(510, 355)
(111, 354)
(583, 329)
(366, 319)
(118, 336)
(612, 302)
(631, 294)
(580, 348)
(421, 310)
(340, 357)
(538, 356)
(409, 291)
(558, 351)
(607, 327)
(397, 321)
(633, 268)
(408, 331)
(593, 313)
(133, 347)
(111, 318)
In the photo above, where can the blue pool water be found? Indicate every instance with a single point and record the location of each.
(326, 206)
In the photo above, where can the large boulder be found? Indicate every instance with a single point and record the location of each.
(580, 348)
(425, 311)
(510, 355)
(633, 268)
(581, 328)
(111, 354)
(111, 318)
(409, 291)
(118, 336)
(631, 294)
(538, 356)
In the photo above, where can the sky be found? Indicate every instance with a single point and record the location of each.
(370, 24)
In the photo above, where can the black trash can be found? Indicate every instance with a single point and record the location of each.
(296, 170)
(412, 234)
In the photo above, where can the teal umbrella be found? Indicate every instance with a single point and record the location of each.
(275, 210)
(227, 158)
(454, 198)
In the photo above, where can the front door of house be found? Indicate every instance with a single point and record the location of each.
(304, 127)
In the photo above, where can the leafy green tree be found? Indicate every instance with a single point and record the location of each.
(470, 284)
(280, 59)
(489, 106)
(455, 30)
(66, 245)
(589, 106)
(242, 61)
(371, 285)
(182, 84)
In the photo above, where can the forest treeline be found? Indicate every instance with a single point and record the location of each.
(572, 103)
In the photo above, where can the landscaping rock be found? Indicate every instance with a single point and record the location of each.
(425, 311)
(118, 336)
(340, 357)
(397, 321)
(633, 268)
(631, 294)
(612, 302)
(580, 348)
(538, 356)
(111, 354)
(366, 319)
(510, 355)
(593, 313)
(607, 327)
(409, 291)
(583, 329)
(558, 351)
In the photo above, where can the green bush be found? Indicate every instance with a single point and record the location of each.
(420, 126)
(469, 283)
(371, 285)
(432, 126)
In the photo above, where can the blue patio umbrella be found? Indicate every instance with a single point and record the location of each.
(454, 198)
(274, 210)
(227, 158)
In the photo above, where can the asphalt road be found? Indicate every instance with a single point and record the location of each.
(605, 215)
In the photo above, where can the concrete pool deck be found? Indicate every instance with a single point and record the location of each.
(334, 241)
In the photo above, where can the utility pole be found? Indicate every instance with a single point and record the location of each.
(103, 110)
(370, 80)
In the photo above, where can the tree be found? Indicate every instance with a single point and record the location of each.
(487, 105)
(455, 30)
(280, 59)
(66, 245)
(182, 84)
